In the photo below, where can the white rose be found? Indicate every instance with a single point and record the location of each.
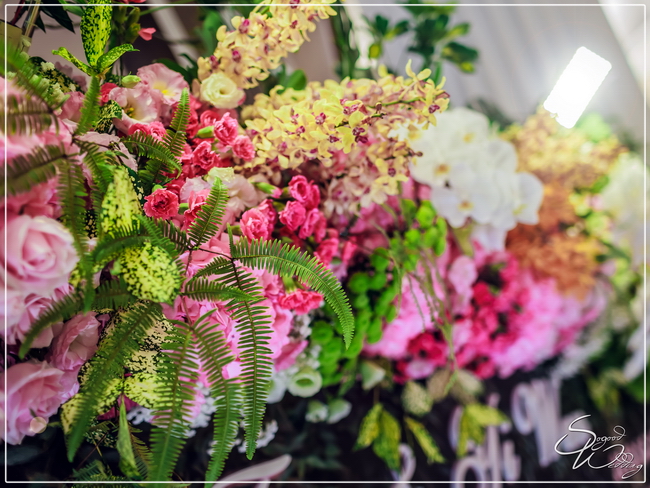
(220, 91)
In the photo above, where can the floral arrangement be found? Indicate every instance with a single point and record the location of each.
(178, 254)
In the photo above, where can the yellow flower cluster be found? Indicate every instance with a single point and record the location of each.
(344, 132)
(258, 43)
(567, 156)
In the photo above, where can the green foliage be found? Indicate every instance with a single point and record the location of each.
(107, 364)
(386, 444)
(106, 61)
(68, 56)
(31, 169)
(89, 109)
(426, 442)
(175, 136)
(473, 421)
(288, 261)
(124, 446)
(369, 429)
(173, 396)
(160, 157)
(25, 116)
(211, 21)
(209, 217)
(95, 30)
(107, 112)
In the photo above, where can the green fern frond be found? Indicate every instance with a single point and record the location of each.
(218, 266)
(60, 310)
(26, 171)
(288, 261)
(210, 215)
(108, 364)
(112, 295)
(214, 355)
(204, 289)
(174, 234)
(26, 76)
(148, 146)
(152, 174)
(89, 109)
(175, 136)
(25, 116)
(177, 375)
(252, 323)
(98, 162)
(156, 237)
(110, 246)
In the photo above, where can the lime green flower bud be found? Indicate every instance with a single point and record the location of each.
(265, 187)
(305, 383)
(129, 81)
(431, 237)
(425, 215)
(379, 259)
(371, 374)
(321, 332)
(206, 132)
(316, 411)
(338, 410)
(358, 283)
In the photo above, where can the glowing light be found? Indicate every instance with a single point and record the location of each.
(577, 86)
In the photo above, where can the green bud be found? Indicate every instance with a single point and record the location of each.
(119, 14)
(328, 369)
(321, 332)
(431, 237)
(425, 215)
(205, 132)
(134, 16)
(129, 81)
(408, 210)
(441, 224)
(338, 410)
(379, 259)
(362, 321)
(355, 347)
(361, 301)
(411, 262)
(316, 411)
(391, 314)
(378, 281)
(412, 238)
(381, 309)
(182, 207)
(358, 283)
(265, 187)
(374, 336)
(439, 247)
(305, 383)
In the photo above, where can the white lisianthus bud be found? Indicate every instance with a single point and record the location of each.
(338, 410)
(305, 383)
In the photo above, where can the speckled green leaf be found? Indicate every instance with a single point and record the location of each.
(95, 30)
(109, 111)
(65, 54)
(369, 429)
(428, 445)
(386, 445)
(105, 61)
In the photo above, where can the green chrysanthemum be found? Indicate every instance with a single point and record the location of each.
(150, 273)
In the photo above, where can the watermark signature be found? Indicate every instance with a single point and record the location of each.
(622, 460)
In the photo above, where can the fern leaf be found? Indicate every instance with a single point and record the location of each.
(174, 234)
(25, 116)
(108, 364)
(217, 266)
(60, 310)
(210, 215)
(25, 75)
(89, 109)
(177, 374)
(214, 355)
(204, 289)
(156, 237)
(288, 261)
(256, 366)
(148, 146)
(175, 136)
(98, 163)
(24, 172)
(112, 295)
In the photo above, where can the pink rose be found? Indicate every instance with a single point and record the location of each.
(255, 225)
(243, 148)
(39, 200)
(301, 301)
(211, 117)
(306, 193)
(293, 215)
(327, 250)
(155, 129)
(71, 109)
(74, 343)
(161, 204)
(226, 129)
(205, 158)
(34, 389)
(39, 255)
(195, 202)
(315, 224)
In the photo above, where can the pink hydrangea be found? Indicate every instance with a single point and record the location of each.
(161, 204)
(34, 389)
(39, 256)
(74, 343)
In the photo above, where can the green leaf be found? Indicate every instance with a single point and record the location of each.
(200, 289)
(124, 447)
(457, 31)
(426, 442)
(65, 54)
(89, 109)
(107, 112)
(28, 170)
(58, 14)
(175, 136)
(297, 80)
(95, 30)
(375, 50)
(473, 421)
(106, 61)
(381, 24)
(386, 445)
(209, 216)
(459, 54)
(369, 429)
(288, 261)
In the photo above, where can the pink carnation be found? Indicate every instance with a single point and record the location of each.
(34, 389)
(39, 255)
(205, 158)
(226, 129)
(315, 224)
(74, 343)
(301, 301)
(243, 148)
(327, 250)
(306, 193)
(293, 215)
(155, 129)
(105, 91)
(254, 224)
(195, 202)
(161, 204)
